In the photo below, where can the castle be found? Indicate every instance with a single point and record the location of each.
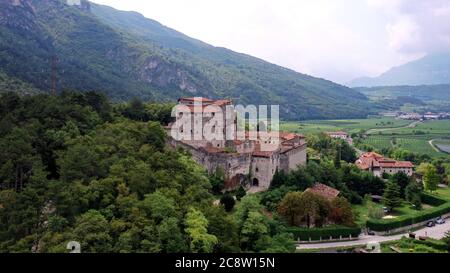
(250, 162)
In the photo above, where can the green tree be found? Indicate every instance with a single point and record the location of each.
(228, 202)
(279, 179)
(290, 208)
(170, 236)
(240, 193)
(217, 180)
(392, 197)
(431, 178)
(402, 180)
(413, 194)
(158, 206)
(92, 231)
(197, 230)
(254, 227)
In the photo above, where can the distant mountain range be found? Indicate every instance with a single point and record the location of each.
(127, 55)
(430, 70)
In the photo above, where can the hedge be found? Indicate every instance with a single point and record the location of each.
(432, 200)
(402, 221)
(315, 234)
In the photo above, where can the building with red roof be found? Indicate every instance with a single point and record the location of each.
(323, 190)
(379, 165)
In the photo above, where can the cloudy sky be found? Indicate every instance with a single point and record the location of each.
(335, 39)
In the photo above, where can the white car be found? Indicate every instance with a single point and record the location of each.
(440, 221)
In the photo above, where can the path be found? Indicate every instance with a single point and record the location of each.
(376, 130)
(433, 146)
(436, 232)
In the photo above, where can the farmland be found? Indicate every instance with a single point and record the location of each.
(385, 132)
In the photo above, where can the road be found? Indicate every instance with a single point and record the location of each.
(376, 130)
(432, 145)
(436, 232)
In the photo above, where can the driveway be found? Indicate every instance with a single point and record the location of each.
(436, 232)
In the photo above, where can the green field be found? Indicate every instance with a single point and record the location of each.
(384, 132)
(351, 126)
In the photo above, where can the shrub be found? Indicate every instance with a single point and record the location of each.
(375, 212)
(432, 200)
(228, 202)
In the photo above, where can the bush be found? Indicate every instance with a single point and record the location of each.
(386, 225)
(228, 202)
(432, 200)
(304, 234)
(375, 212)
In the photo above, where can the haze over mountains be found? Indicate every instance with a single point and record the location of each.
(433, 69)
(127, 55)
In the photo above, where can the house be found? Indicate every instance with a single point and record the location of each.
(340, 135)
(250, 161)
(323, 190)
(379, 165)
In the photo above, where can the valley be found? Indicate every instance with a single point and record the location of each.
(383, 133)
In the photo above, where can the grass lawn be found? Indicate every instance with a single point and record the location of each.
(407, 245)
(443, 193)
(362, 211)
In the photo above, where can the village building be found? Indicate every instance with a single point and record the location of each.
(249, 162)
(341, 135)
(379, 165)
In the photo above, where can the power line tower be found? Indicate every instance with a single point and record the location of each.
(54, 73)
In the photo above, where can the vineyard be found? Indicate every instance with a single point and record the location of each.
(386, 133)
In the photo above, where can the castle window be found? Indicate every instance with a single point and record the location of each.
(257, 169)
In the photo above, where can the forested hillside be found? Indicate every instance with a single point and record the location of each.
(127, 55)
(76, 168)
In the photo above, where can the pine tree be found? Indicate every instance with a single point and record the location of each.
(391, 197)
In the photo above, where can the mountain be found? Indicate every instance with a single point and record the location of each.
(426, 93)
(430, 70)
(124, 54)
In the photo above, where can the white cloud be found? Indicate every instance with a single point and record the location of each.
(417, 26)
(334, 39)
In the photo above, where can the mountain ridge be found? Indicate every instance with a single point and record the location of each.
(432, 69)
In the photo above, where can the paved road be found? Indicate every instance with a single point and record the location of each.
(436, 232)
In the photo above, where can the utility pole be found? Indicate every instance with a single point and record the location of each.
(54, 64)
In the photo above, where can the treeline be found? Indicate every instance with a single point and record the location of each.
(77, 168)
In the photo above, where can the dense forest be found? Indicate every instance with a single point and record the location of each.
(76, 168)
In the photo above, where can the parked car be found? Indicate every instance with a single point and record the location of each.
(431, 224)
(440, 221)
(371, 233)
(386, 210)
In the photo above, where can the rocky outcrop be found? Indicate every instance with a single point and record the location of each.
(18, 14)
(164, 74)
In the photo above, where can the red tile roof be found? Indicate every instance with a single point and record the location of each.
(368, 160)
(324, 191)
(222, 102)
